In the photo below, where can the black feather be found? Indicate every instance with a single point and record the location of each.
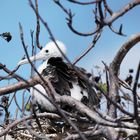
(63, 75)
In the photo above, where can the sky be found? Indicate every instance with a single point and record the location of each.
(12, 13)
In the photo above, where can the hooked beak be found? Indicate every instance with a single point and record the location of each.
(39, 56)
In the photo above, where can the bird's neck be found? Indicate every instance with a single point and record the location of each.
(42, 66)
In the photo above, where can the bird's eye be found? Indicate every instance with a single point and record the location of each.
(47, 51)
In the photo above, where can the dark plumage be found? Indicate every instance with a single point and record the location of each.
(64, 76)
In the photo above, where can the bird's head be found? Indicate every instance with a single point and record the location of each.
(50, 50)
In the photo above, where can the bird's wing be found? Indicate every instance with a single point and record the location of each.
(63, 77)
(84, 82)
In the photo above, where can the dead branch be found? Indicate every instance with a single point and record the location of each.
(100, 18)
(124, 49)
(20, 85)
(37, 26)
(89, 133)
(49, 31)
(135, 95)
(9, 72)
(122, 11)
(70, 21)
(16, 122)
(96, 38)
(83, 3)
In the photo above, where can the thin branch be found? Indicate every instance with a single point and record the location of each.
(135, 94)
(122, 11)
(37, 120)
(114, 102)
(70, 21)
(107, 7)
(25, 49)
(16, 122)
(119, 32)
(10, 73)
(83, 3)
(15, 99)
(97, 36)
(106, 74)
(23, 102)
(99, 4)
(49, 31)
(36, 135)
(32, 42)
(37, 26)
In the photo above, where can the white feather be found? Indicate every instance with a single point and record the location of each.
(76, 92)
(37, 97)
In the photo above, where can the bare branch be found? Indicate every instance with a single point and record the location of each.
(37, 26)
(16, 122)
(107, 7)
(49, 31)
(133, 40)
(97, 36)
(119, 32)
(122, 11)
(89, 133)
(114, 102)
(135, 95)
(70, 21)
(83, 3)
(10, 73)
(114, 69)
(91, 114)
(20, 85)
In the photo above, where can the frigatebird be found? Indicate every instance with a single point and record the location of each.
(64, 77)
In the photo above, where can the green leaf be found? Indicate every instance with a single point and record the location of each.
(28, 107)
(103, 86)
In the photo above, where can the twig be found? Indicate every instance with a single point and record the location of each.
(37, 26)
(36, 135)
(106, 72)
(122, 11)
(49, 31)
(15, 99)
(114, 102)
(83, 3)
(97, 36)
(10, 73)
(135, 94)
(25, 118)
(70, 21)
(100, 11)
(11, 99)
(107, 7)
(37, 120)
(23, 102)
(119, 32)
